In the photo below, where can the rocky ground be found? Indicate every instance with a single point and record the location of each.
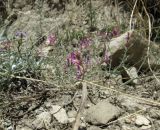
(106, 99)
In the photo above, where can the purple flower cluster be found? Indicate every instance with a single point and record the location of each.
(6, 45)
(74, 58)
(21, 34)
(115, 32)
(51, 40)
(108, 35)
(85, 42)
(71, 59)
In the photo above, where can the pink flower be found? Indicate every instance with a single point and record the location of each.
(51, 39)
(71, 59)
(74, 58)
(115, 31)
(85, 42)
(5, 45)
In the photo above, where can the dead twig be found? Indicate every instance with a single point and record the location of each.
(149, 42)
(131, 17)
(84, 98)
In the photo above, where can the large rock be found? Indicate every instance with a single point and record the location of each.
(102, 113)
(132, 45)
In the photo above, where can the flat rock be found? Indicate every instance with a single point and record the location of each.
(42, 120)
(142, 121)
(60, 114)
(102, 113)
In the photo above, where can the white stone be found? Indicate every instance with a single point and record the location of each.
(10, 128)
(145, 127)
(60, 114)
(131, 73)
(71, 120)
(141, 120)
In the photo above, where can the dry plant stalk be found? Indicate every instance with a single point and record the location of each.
(149, 42)
(84, 98)
(131, 17)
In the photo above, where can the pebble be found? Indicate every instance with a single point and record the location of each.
(142, 121)
(60, 114)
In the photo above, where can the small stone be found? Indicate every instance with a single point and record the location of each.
(141, 120)
(42, 120)
(145, 127)
(94, 128)
(10, 128)
(130, 73)
(72, 114)
(71, 120)
(88, 105)
(102, 113)
(59, 113)
(48, 104)
(39, 111)
(83, 125)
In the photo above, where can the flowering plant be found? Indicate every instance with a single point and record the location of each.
(74, 58)
(51, 39)
(85, 42)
